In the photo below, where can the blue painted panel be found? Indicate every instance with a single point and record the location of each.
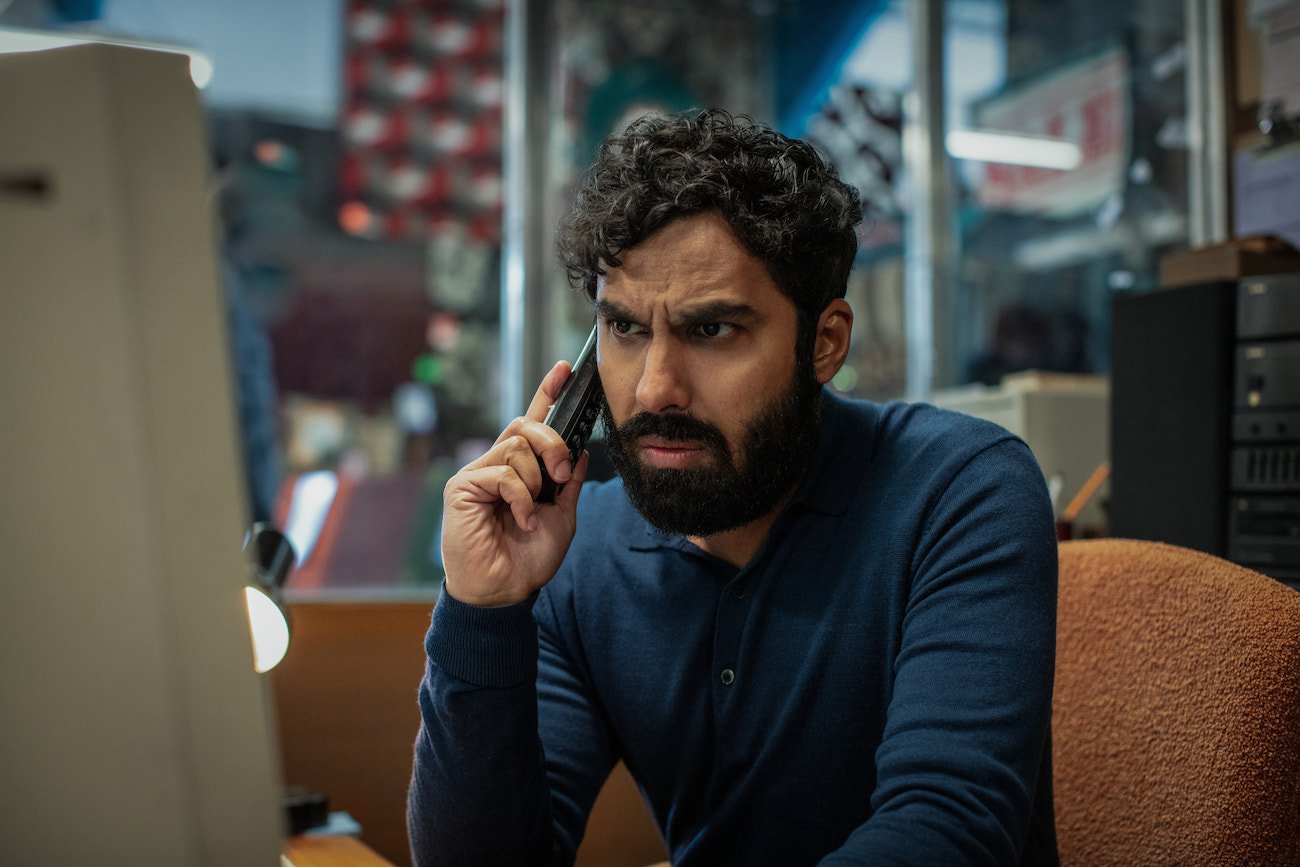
(812, 41)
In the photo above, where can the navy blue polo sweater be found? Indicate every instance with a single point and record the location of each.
(874, 687)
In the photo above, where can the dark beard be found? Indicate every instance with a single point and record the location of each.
(778, 444)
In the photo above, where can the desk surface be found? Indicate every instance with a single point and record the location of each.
(333, 850)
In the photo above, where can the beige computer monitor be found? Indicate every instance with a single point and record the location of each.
(133, 729)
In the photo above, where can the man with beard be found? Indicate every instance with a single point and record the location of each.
(815, 630)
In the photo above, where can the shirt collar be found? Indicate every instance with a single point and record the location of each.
(834, 473)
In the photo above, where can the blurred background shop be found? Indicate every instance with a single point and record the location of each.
(387, 175)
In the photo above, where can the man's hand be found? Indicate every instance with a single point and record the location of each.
(498, 545)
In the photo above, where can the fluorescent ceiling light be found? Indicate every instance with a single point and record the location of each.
(1014, 149)
(14, 39)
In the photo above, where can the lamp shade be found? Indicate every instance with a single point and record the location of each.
(270, 629)
(270, 556)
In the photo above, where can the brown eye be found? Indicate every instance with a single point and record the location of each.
(710, 330)
(624, 328)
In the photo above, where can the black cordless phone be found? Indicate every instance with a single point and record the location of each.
(574, 413)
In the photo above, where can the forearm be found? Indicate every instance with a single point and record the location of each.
(479, 791)
(480, 787)
(966, 736)
(943, 824)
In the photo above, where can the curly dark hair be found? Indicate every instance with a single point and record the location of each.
(783, 201)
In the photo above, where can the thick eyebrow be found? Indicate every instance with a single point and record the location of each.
(612, 312)
(716, 311)
(704, 314)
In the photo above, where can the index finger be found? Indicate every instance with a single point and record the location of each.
(548, 391)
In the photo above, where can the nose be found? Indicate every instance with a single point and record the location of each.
(663, 385)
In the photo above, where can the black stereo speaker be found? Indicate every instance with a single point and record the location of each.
(1171, 402)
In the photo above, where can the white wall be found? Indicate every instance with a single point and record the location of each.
(283, 56)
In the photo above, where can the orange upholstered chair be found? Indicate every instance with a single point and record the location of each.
(1176, 719)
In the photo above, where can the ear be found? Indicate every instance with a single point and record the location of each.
(831, 344)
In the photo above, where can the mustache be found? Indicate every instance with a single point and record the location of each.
(673, 426)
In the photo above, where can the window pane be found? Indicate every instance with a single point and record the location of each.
(1069, 146)
(859, 126)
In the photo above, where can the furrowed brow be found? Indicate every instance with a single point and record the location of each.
(704, 314)
(717, 311)
(611, 311)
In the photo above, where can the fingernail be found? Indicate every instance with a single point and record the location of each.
(563, 472)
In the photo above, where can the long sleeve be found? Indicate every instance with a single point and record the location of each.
(967, 725)
(874, 687)
(507, 762)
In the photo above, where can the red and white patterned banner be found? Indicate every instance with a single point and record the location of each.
(422, 123)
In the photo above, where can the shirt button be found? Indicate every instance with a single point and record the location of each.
(738, 591)
(727, 676)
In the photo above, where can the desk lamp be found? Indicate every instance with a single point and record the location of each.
(270, 557)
